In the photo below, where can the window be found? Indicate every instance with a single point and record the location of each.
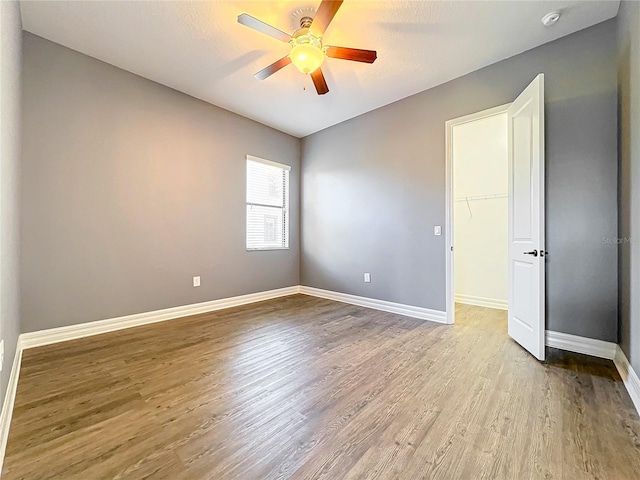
(267, 204)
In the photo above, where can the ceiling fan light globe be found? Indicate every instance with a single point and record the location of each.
(307, 57)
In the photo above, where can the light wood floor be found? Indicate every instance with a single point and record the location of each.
(302, 388)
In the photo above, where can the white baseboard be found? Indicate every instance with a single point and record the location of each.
(629, 377)
(587, 346)
(9, 401)
(72, 332)
(602, 349)
(481, 301)
(559, 340)
(399, 308)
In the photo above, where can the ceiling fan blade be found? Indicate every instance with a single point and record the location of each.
(354, 54)
(260, 26)
(273, 68)
(319, 82)
(324, 15)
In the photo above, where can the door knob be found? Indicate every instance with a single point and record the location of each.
(533, 252)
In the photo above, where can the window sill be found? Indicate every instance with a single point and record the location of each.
(266, 249)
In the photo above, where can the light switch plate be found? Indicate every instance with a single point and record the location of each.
(437, 230)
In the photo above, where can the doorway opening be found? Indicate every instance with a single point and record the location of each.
(478, 156)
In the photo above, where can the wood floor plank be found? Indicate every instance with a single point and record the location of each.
(305, 388)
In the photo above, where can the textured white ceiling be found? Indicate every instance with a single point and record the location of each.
(200, 49)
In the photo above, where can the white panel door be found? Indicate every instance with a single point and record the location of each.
(526, 219)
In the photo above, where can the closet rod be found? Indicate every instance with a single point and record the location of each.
(482, 197)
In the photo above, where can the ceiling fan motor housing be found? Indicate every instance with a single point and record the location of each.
(307, 53)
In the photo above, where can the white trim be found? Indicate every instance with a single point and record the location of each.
(629, 377)
(268, 162)
(559, 340)
(481, 301)
(9, 401)
(449, 124)
(602, 349)
(587, 346)
(71, 332)
(399, 308)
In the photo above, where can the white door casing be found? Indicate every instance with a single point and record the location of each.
(526, 291)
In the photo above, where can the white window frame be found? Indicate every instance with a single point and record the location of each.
(285, 208)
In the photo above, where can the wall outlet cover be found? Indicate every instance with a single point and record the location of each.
(196, 281)
(367, 278)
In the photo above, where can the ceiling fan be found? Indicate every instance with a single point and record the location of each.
(307, 50)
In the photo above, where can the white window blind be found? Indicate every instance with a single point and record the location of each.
(267, 204)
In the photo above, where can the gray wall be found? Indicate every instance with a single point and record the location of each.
(10, 48)
(130, 189)
(373, 187)
(629, 152)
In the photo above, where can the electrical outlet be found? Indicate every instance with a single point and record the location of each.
(367, 278)
(1, 354)
(196, 281)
